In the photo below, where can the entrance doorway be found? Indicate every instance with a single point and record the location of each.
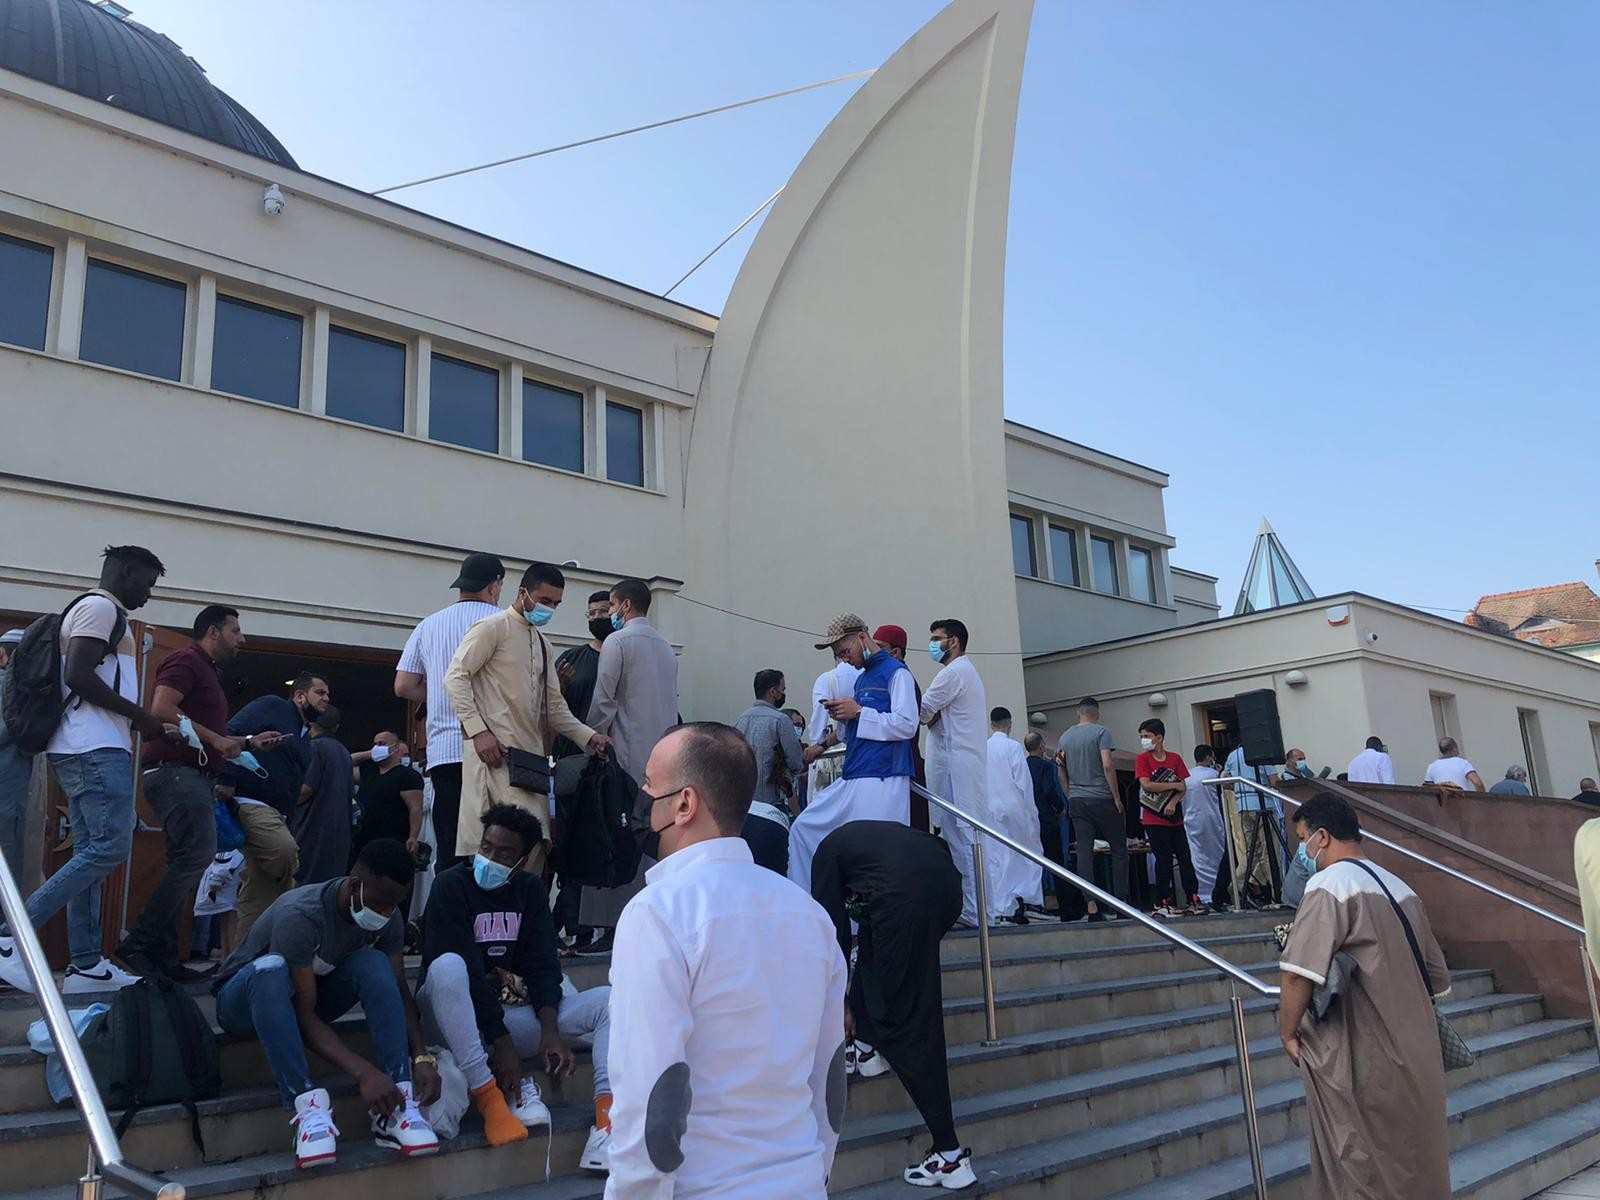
(1219, 724)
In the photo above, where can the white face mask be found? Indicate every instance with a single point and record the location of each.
(1147, 743)
(380, 752)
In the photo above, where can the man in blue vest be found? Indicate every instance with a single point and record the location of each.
(880, 722)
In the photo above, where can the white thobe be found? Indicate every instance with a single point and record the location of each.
(1011, 876)
(1202, 821)
(847, 800)
(958, 763)
(727, 1026)
(1371, 766)
(830, 685)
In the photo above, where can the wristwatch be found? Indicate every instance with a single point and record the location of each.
(424, 1060)
(247, 741)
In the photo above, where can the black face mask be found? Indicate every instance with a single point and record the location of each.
(779, 699)
(600, 628)
(646, 834)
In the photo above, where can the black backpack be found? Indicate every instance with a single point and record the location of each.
(597, 847)
(154, 1047)
(33, 703)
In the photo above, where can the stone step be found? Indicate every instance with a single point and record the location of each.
(1179, 1140)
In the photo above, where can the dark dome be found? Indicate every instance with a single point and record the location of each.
(97, 53)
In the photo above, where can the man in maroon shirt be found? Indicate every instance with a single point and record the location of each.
(178, 780)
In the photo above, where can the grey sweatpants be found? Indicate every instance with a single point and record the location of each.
(447, 1017)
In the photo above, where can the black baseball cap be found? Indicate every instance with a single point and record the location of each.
(478, 571)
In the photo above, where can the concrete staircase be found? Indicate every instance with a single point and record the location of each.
(1115, 1078)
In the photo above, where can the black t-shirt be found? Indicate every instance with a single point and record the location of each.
(383, 813)
(579, 691)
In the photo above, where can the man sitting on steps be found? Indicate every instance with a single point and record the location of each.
(488, 936)
(315, 954)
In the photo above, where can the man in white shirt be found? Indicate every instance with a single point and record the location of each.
(1372, 765)
(1203, 822)
(956, 713)
(91, 754)
(727, 999)
(420, 679)
(1014, 880)
(1453, 770)
(819, 733)
(880, 722)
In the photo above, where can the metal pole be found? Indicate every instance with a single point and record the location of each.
(102, 1138)
(91, 1185)
(991, 1024)
(1247, 1091)
(1588, 982)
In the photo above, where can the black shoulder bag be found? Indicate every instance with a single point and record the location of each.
(525, 770)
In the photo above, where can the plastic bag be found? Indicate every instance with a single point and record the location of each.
(445, 1113)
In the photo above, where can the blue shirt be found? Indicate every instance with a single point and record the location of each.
(1249, 799)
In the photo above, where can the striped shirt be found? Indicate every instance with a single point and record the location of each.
(428, 652)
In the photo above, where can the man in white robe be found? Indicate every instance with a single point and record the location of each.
(834, 684)
(879, 721)
(727, 1000)
(1203, 822)
(1013, 879)
(956, 713)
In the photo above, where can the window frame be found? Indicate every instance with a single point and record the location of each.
(1029, 523)
(1094, 570)
(52, 284)
(498, 370)
(1071, 533)
(584, 397)
(129, 266)
(1149, 574)
(306, 334)
(410, 370)
(643, 413)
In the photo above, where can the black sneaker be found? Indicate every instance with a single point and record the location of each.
(601, 944)
(179, 973)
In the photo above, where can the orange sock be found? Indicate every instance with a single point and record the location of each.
(501, 1127)
(602, 1111)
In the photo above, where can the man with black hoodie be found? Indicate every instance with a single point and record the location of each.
(492, 989)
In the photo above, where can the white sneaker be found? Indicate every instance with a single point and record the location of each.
(316, 1136)
(597, 1151)
(12, 972)
(104, 976)
(530, 1107)
(850, 1054)
(405, 1129)
(870, 1064)
(935, 1172)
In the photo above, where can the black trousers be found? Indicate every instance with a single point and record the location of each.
(1101, 819)
(446, 779)
(914, 1043)
(769, 843)
(1169, 842)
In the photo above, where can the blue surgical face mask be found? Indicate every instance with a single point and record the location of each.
(366, 918)
(489, 874)
(186, 727)
(936, 651)
(380, 752)
(1304, 859)
(616, 621)
(249, 763)
(539, 615)
(406, 761)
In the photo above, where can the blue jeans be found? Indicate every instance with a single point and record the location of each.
(259, 1002)
(99, 788)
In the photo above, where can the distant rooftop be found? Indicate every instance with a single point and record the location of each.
(1561, 615)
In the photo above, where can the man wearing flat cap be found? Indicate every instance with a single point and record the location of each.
(880, 724)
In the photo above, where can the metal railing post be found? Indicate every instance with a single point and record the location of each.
(91, 1185)
(1588, 982)
(991, 1024)
(1247, 1092)
(97, 1124)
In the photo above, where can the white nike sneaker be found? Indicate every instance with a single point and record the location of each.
(12, 972)
(405, 1129)
(530, 1107)
(935, 1172)
(104, 976)
(869, 1063)
(597, 1151)
(316, 1137)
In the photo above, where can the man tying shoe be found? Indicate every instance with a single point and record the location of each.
(489, 938)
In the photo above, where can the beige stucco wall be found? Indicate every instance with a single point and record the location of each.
(861, 347)
(1354, 686)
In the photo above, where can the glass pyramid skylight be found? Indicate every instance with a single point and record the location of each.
(1272, 579)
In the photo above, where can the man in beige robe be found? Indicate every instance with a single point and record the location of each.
(503, 685)
(1373, 1071)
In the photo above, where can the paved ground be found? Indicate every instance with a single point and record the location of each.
(1584, 1183)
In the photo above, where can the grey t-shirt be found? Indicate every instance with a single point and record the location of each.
(1086, 774)
(307, 928)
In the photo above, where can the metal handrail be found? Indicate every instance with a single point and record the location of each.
(103, 1144)
(1586, 963)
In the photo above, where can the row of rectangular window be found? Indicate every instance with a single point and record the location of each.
(135, 321)
(1064, 565)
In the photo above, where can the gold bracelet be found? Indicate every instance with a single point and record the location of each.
(424, 1060)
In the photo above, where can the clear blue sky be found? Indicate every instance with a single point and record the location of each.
(1335, 264)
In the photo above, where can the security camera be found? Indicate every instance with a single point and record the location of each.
(272, 200)
(1372, 637)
